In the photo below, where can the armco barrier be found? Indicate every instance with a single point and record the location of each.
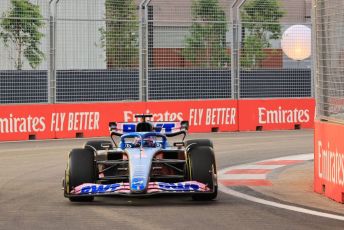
(23, 122)
(329, 160)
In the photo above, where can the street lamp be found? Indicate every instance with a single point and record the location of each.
(296, 42)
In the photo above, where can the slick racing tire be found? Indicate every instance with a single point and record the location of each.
(202, 168)
(97, 145)
(80, 170)
(199, 142)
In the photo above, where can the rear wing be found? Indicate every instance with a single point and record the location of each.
(166, 127)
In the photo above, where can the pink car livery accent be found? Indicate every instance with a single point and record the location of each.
(124, 188)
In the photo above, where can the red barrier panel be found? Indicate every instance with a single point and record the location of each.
(18, 122)
(90, 120)
(203, 116)
(276, 114)
(329, 160)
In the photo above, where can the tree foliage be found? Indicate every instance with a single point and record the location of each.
(20, 27)
(119, 38)
(206, 43)
(261, 23)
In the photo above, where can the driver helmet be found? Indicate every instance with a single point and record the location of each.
(137, 141)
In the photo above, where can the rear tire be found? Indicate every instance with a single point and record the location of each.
(202, 168)
(199, 142)
(80, 170)
(97, 145)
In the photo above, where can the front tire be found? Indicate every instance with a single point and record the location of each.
(202, 168)
(80, 170)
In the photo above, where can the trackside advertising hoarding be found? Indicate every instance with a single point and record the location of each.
(91, 120)
(329, 160)
(276, 114)
(18, 122)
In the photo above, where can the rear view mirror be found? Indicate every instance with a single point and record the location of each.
(184, 125)
(112, 125)
(106, 145)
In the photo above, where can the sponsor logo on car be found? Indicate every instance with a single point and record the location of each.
(166, 127)
(187, 186)
(94, 189)
(179, 186)
(137, 184)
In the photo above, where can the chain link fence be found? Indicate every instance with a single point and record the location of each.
(274, 49)
(130, 50)
(97, 50)
(188, 50)
(24, 45)
(329, 35)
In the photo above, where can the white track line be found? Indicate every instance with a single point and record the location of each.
(278, 205)
(232, 192)
(243, 177)
(301, 157)
(252, 166)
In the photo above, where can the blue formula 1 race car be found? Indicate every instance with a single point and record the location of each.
(142, 163)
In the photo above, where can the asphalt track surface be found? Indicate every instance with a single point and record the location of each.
(31, 195)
